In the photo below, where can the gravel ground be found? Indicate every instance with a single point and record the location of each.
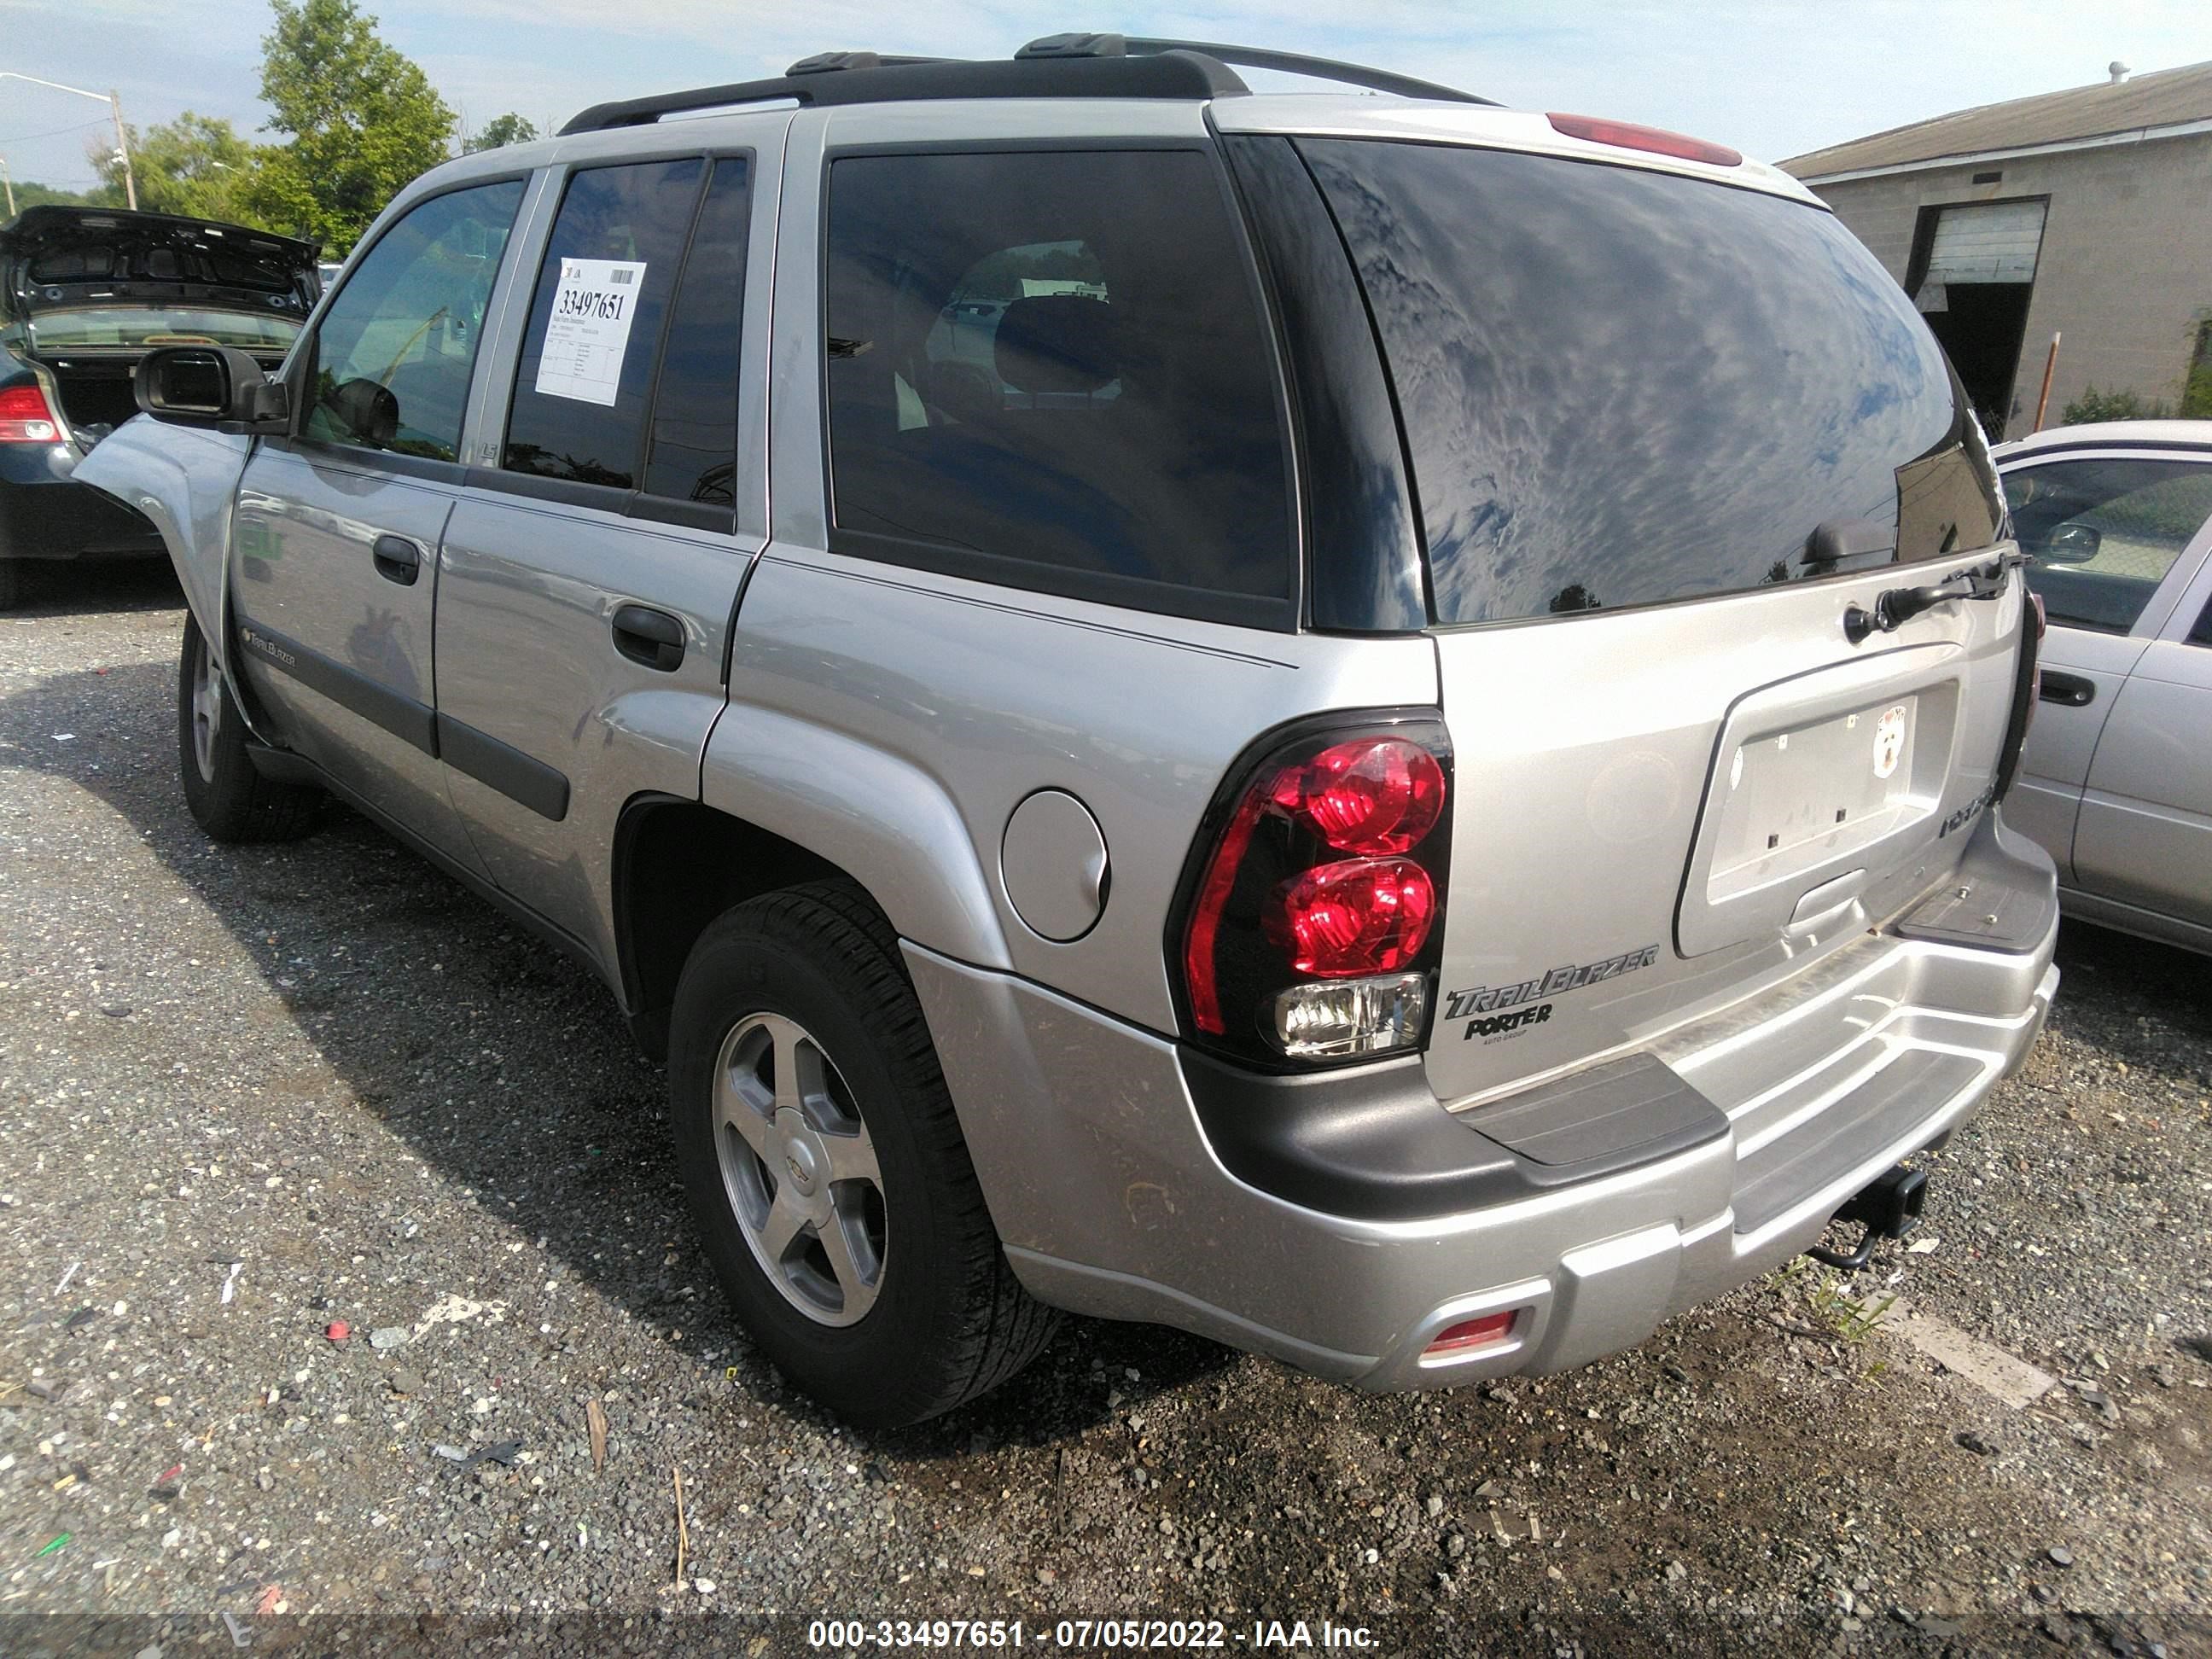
(247, 1094)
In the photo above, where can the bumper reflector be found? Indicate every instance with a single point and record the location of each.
(1472, 1333)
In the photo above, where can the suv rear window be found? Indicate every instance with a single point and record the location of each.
(1626, 387)
(1049, 369)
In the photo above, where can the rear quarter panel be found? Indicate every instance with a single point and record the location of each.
(893, 720)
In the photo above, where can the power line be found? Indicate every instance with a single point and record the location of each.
(27, 137)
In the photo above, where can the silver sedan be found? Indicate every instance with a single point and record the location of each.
(2116, 780)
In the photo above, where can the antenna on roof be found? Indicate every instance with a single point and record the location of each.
(2118, 71)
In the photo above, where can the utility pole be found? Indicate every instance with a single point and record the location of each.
(122, 150)
(8, 179)
(114, 108)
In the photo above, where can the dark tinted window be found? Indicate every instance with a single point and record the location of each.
(394, 351)
(693, 452)
(1622, 388)
(1050, 370)
(580, 386)
(2101, 532)
(2202, 633)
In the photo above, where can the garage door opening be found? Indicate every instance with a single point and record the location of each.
(1972, 274)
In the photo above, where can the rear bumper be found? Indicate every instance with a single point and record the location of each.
(1359, 1220)
(46, 514)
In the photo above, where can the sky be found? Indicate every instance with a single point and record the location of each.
(1773, 79)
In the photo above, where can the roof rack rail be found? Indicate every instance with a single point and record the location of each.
(856, 77)
(1063, 46)
(823, 62)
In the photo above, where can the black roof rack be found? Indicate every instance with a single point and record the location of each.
(1057, 66)
(1064, 46)
(862, 78)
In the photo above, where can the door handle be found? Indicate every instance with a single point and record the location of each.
(653, 638)
(398, 560)
(2073, 690)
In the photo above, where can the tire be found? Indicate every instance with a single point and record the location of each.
(943, 1319)
(229, 797)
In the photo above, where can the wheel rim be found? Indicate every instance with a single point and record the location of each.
(207, 709)
(799, 1169)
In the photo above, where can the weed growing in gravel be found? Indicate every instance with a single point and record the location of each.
(1846, 1318)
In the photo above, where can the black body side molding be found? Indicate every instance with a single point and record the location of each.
(521, 778)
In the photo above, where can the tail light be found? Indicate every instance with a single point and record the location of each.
(1628, 135)
(1310, 929)
(24, 418)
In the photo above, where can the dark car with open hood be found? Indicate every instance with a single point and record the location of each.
(85, 293)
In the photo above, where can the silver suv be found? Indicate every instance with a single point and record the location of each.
(1369, 725)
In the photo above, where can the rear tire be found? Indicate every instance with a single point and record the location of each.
(825, 1167)
(229, 797)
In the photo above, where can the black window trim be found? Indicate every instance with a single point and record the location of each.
(1310, 421)
(1277, 614)
(309, 351)
(634, 503)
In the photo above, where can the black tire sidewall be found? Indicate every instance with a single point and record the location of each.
(219, 804)
(882, 1367)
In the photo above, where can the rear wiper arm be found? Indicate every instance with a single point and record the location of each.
(1899, 605)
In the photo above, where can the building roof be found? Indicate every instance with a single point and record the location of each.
(2164, 98)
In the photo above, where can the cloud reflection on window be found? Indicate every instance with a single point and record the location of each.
(1623, 386)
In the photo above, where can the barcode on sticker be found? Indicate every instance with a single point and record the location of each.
(622, 278)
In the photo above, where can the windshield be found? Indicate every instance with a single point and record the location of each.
(1625, 387)
(137, 327)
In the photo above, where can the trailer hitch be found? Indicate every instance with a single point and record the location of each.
(1887, 1207)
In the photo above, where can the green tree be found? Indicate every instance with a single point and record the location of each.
(196, 166)
(360, 119)
(501, 131)
(2094, 405)
(31, 194)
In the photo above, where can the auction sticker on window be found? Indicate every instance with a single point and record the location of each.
(1889, 740)
(588, 332)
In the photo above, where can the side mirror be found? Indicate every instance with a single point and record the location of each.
(209, 385)
(366, 410)
(2071, 544)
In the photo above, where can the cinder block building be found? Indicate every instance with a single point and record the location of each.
(2085, 214)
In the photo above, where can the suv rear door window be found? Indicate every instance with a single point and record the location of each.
(1049, 369)
(2101, 532)
(582, 381)
(397, 344)
(1625, 387)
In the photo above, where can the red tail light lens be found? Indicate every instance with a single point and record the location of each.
(1628, 135)
(1363, 916)
(1369, 795)
(1309, 927)
(24, 418)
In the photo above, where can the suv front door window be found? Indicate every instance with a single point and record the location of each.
(396, 348)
